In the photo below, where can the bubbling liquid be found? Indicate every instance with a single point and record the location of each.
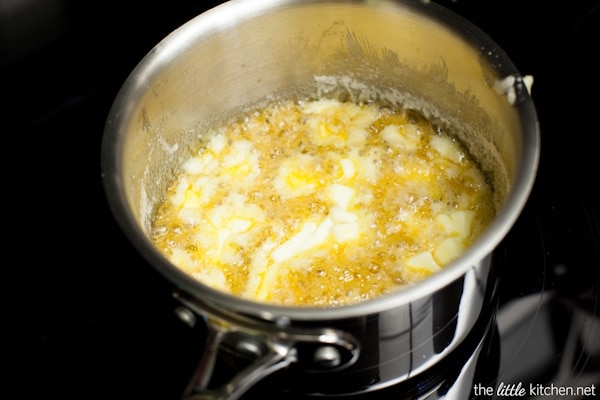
(322, 203)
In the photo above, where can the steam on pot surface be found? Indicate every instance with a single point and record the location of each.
(337, 153)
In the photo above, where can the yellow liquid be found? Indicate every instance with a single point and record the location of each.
(322, 203)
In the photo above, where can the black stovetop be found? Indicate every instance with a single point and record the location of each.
(83, 316)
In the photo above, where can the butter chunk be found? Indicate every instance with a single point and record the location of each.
(217, 144)
(345, 232)
(424, 261)
(190, 215)
(341, 216)
(295, 244)
(392, 135)
(463, 222)
(297, 177)
(347, 168)
(178, 197)
(446, 147)
(192, 199)
(320, 235)
(194, 165)
(448, 250)
(214, 277)
(340, 195)
(459, 222)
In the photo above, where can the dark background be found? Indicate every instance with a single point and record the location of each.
(81, 315)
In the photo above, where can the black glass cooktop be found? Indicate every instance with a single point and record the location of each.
(84, 317)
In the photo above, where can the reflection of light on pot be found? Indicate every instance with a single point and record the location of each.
(409, 54)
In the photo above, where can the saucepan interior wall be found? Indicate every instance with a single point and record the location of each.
(209, 70)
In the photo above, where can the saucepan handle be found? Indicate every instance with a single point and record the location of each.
(271, 346)
(277, 356)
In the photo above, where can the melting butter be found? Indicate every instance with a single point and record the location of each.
(322, 203)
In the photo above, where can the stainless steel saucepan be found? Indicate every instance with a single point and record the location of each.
(408, 53)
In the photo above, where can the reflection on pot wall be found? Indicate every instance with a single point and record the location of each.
(435, 326)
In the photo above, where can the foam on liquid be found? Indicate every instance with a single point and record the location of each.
(322, 203)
